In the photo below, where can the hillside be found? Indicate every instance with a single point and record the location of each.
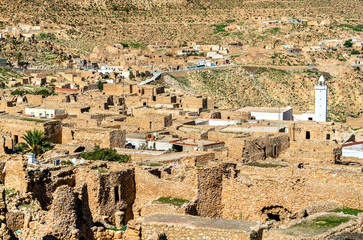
(86, 23)
(246, 86)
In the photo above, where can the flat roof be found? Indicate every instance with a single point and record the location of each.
(264, 109)
(195, 142)
(199, 222)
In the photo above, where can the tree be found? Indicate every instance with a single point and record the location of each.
(348, 43)
(100, 85)
(19, 57)
(36, 142)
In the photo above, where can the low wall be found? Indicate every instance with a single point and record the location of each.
(178, 227)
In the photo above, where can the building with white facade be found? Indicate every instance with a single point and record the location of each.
(44, 112)
(321, 104)
(269, 113)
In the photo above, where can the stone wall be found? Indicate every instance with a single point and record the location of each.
(257, 147)
(15, 174)
(53, 130)
(110, 193)
(355, 122)
(104, 138)
(209, 201)
(16, 127)
(152, 183)
(178, 227)
(254, 191)
(316, 131)
(154, 121)
(62, 217)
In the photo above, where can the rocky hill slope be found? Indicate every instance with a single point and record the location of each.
(246, 86)
(90, 22)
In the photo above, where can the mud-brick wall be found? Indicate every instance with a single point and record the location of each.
(289, 189)
(150, 231)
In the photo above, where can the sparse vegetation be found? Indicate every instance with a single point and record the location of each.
(123, 228)
(33, 120)
(66, 163)
(315, 226)
(38, 91)
(173, 201)
(348, 211)
(106, 154)
(265, 165)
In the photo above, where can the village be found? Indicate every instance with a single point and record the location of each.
(258, 135)
(179, 154)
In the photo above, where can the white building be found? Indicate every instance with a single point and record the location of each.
(269, 113)
(321, 100)
(321, 104)
(44, 112)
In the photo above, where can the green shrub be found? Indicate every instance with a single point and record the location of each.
(348, 43)
(174, 201)
(264, 165)
(347, 210)
(100, 85)
(66, 163)
(106, 154)
(20, 147)
(355, 52)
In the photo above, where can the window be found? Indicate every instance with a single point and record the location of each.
(328, 136)
(307, 135)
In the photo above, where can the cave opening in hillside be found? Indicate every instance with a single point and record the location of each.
(273, 216)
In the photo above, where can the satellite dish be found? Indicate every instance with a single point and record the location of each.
(74, 160)
(82, 160)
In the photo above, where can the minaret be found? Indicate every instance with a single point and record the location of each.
(321, 100)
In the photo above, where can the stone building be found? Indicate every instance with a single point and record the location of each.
(154, 121)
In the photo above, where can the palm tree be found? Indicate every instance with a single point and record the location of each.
(36, 142)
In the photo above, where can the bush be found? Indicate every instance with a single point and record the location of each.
(68, 162)
(100, 85)
(348, 43)
(39, 91)
(19, 92)
(106, 154)
(20, 147)
(355, 52)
